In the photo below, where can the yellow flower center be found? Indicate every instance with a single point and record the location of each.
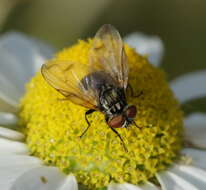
(53, 126)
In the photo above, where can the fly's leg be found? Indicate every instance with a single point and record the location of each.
(133, 122)
(129, 87)
(88, 123)
(125, 148)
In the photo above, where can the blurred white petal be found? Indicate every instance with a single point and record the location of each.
(8, 174)
(147, 45)
(18, 160)
(20, 56)
(7, 119)
(26, 48)
(6, 107)
(13, 166)
(10, 134)
(195, 129)
(182, 177)
(196, 156)
(44, 178)
(189, 86)
(12, 147)
(69, 183)
(127, 186)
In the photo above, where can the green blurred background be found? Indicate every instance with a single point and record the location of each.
(181, 24)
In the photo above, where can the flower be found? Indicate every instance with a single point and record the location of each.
(99, 157)
(19, 170)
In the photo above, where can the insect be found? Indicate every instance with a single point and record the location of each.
(99, 86)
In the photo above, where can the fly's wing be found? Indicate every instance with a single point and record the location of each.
(107, 54)
(66, 77)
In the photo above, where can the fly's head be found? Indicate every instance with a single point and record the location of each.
(124, 119)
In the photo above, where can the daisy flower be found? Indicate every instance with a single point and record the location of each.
(39, 143)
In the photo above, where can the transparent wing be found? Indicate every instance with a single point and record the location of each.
(66, 77)
(107, 54)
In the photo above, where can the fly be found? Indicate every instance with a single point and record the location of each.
(100, 85)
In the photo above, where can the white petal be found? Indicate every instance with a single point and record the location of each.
(18, 160)
(197, 157)
(7, 118)
(7, 107)
(189, 86)
(147, 45)
(182, 177)
(13, 166)
(12, 147)
(43, 178)
(195, 129)
(26, 48)
(10, 134)
(45, 52)
(9, 174)
(19, 58)
(69, 183)
(127, 186)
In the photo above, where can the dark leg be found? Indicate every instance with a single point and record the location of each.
(136, 125)
(119, 137)
(86, 114)
(132, 92)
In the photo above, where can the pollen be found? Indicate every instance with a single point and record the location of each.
(53, 125)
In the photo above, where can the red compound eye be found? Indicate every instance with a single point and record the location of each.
(116, 121)
(131, 111)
